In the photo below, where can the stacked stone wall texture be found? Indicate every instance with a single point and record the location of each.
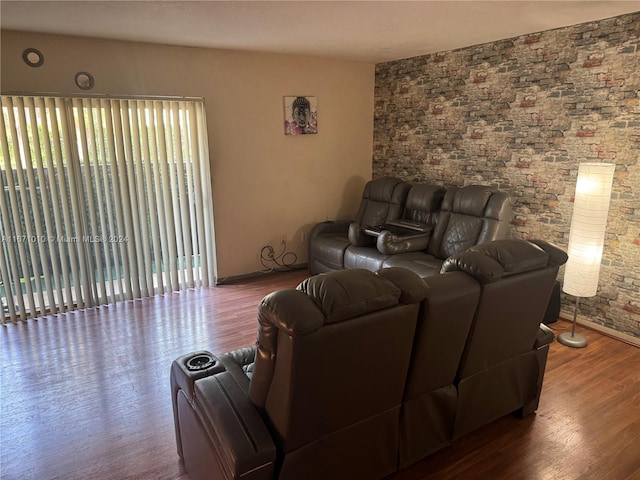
(521, 114)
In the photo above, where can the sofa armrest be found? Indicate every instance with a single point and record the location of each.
(330, 226)
(359, 235)
(388, 243)
(185, 370)
(223, 434)
(544, 336)
(191, 367)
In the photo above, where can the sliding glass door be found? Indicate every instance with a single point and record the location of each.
(104, 200)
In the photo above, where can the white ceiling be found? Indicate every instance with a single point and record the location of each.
(367, 31)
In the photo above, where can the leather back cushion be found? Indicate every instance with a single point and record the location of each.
(517, 277)
(461, 232)
(507, 319)
(470, 200)
(423, 201)
(470, 216)
(334, 352)
(383, 199)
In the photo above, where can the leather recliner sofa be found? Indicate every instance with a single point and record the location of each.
(320, 396)
(356, 374)
(430, 224)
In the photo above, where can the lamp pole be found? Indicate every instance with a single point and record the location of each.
(573, 339)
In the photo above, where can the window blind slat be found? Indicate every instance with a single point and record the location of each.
(49, 207)
(198, 194)
(29, 194)
(11, 278)
(138, 212)
(27, 191)
(179, 198)
(123, 204)
(132, 234)
(101, 179)
(192, 241)
(208, 246)
(154, 259)
(80, 271)
(111, 188)
(16, 202)
(60, 202)
(170, 195)
(84, 181)
(94, 186)
(38, 199)
(167, 232)
(159, 218)
(174, 154)
(8, 304)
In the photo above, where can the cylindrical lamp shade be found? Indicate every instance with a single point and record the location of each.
(588, 224)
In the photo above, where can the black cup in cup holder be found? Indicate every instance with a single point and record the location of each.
(200, 361)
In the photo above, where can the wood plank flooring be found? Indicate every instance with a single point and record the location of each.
(85, 395)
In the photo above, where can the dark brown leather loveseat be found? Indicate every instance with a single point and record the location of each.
(356, 374)
(415, 226)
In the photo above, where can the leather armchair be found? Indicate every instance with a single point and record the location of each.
(503, 364)
(319, 396)
(480, 349)
(421, 209)
(382, 199)
(470, 216)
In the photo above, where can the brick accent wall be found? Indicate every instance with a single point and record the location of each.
(521, 114)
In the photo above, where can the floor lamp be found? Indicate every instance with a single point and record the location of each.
(586, 238)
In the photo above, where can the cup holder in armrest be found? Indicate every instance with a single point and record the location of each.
(200, 361)
(189, 368)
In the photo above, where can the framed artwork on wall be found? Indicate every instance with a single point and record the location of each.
(300, 115)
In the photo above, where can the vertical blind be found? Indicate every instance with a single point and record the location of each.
(103, 200)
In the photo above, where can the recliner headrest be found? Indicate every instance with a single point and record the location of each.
(425, 198)
(489, 262)
(469, 200)
(348, 293)
(384, 190)
(413, 288)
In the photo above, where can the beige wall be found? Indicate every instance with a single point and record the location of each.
(265, 184)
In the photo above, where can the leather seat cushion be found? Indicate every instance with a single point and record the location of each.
(364, 257)
(329, 249)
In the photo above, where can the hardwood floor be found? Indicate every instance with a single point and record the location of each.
(85, 395)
